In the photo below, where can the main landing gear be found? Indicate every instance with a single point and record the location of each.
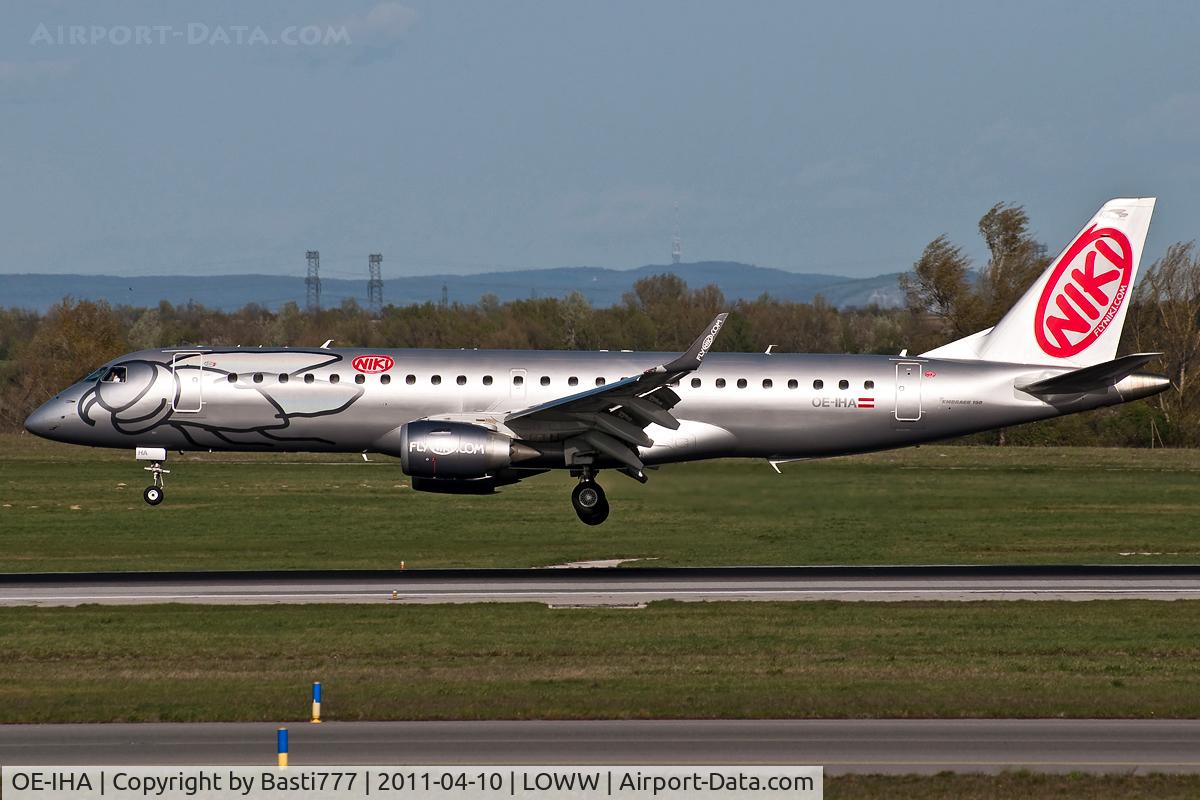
(589, 501)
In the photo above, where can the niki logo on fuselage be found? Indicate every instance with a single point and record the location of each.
(372, 364)
(1084, 293)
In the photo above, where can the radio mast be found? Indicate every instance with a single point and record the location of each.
(375, 283)
(676, 241)
(312, 282)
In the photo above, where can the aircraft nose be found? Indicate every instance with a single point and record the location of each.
(45, 419)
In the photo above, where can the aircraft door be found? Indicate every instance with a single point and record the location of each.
(188, 369)
(516, 384)
(908, 391)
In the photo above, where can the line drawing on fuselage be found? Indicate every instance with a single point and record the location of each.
(267, 409)
(469, 421)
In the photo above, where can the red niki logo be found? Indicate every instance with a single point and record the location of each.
(372, 364)
(1084, 293)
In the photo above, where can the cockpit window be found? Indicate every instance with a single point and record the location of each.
(93, 375)
(114, 375)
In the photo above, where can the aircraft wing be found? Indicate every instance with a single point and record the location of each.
(611, 420)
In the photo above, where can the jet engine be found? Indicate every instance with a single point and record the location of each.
(432, 449)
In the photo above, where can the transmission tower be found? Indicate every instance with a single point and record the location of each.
(375, 283)
(312, 282)
(676, 241)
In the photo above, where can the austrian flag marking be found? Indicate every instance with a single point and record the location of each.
(866, 402)
(1085, 292)
(372, 364)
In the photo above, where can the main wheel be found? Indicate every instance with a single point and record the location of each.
(153, 495)
(590, 503)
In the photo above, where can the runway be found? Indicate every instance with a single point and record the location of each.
(868, 746)
(625, 587)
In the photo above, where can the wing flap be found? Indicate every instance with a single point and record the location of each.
(647, 412)
(617, 428)
(613, 448)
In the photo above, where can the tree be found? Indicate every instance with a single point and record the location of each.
(574, 311)
(940, 284)
(940, 281)
(73, 339)
(1017, 260)
(1166, 317)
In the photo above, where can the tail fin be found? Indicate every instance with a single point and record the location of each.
(1073, 314)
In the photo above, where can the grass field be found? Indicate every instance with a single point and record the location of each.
(1137, 659)
(948, 786)
(72, 508)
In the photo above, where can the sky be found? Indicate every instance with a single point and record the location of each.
(143, 138)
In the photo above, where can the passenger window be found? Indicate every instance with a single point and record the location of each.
(334, 378)
(843, 384)
(741, 383)
(818, 384)
(793, 384)
(462, 380)
(114, 375)
(487, 380)
(232, 378)
(868, 384)
(572, 381)
(360, 379)
(258, 377)
(518, 380)
(695, 383)
(385, 379)
(545, 380)
(309, 378)
(283, 377)
(768, 383)
(436, 380)
(720, 383)
(599, 381)
(410, 379)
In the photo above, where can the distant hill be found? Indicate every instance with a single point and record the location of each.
(602, 287)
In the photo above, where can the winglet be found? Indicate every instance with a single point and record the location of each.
(695, 354)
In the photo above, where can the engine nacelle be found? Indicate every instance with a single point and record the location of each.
(431, 449)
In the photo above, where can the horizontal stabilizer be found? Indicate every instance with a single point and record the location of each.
(1093, 378)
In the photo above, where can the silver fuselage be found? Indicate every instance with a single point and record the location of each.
(774, 406)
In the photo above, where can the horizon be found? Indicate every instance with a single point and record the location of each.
(600, 287)
(299, 274)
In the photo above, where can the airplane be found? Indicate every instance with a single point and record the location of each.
(469, 421)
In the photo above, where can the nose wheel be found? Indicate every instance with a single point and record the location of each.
(589, 501)
(154, 492)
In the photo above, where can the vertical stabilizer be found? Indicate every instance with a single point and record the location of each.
(1073, 314)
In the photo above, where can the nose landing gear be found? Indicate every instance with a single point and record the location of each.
(589, 501)
(154, 492)
(155, 455)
